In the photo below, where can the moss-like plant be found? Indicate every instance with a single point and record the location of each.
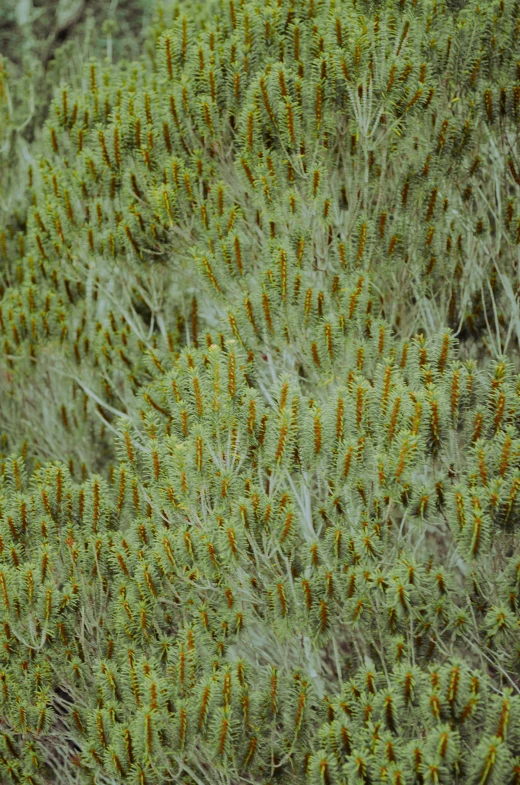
(291, 554)
(274, 590)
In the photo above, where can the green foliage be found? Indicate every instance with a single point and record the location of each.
(43, 46)
(252, 176)
(257, 527)
(250, 589)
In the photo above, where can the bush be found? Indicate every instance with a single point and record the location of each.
(261, 522)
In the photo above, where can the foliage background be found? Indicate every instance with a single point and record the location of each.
(283, 544)
(44, 45)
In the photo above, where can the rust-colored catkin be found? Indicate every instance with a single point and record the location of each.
(318, 436)
(267, 311)
(238, 254)
(455, 394)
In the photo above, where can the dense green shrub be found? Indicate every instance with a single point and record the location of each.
(42, 46)
(277, 536)
(374, 141)
(269, 589)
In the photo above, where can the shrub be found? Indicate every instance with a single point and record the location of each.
(297, 559)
